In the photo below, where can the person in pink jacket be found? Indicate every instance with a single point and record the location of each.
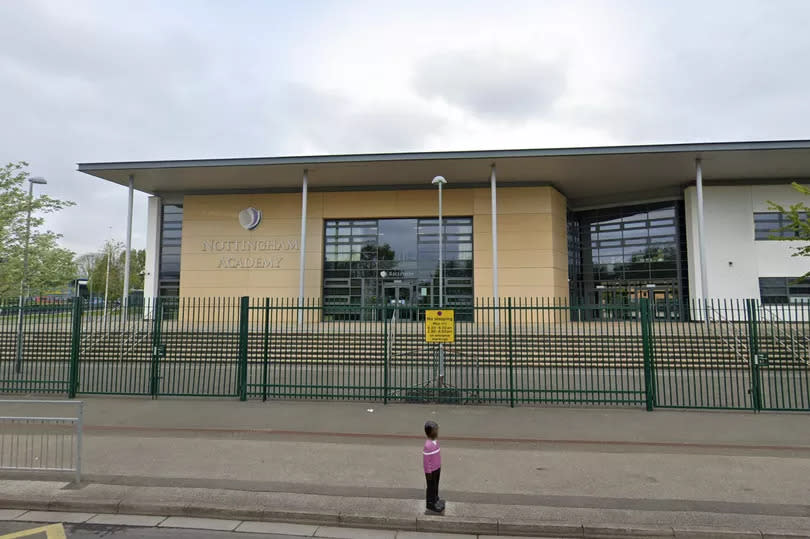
(432, 460)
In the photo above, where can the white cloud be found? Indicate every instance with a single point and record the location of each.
(100, 80)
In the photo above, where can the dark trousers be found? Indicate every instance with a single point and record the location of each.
(432, 492)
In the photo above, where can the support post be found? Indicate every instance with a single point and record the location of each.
(303, 247)
(704, 277)
(511, 356)
(127, 254)
(493, 191)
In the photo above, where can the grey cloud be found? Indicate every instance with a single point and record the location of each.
(491, 85)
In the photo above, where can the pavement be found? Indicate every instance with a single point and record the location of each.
(545, 472)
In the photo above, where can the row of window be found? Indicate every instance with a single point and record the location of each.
(774, 225)
(782, 290)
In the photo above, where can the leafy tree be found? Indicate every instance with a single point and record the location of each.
(798, 216)
(49, 265)
(117, 255)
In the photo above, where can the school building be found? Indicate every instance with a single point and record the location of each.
(590, 225)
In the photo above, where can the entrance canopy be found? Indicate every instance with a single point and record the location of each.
(585, 176)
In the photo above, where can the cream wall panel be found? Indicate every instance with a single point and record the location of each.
(531, 236)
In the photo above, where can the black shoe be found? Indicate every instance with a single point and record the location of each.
(434, 508)
(440, 505)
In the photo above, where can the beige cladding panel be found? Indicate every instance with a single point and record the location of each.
(531, 236)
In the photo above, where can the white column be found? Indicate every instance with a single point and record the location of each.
(704, 278)
(303, 247)
(493, 191)
(152, 266)
(127, 254)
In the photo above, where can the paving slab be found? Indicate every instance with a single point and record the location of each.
(212, 524)
(716, 533)
(454, 524)
(282, 528)
(784, 534)
(127, 520)
(611, 531)
(354, 533)
(433, 535)
(55, 516)
(10, 514)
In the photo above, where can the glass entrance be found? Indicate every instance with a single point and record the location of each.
(400, 295)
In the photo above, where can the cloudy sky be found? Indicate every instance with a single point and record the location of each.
(109, 80)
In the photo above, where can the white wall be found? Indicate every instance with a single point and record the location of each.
(729, 217)
(150, 279)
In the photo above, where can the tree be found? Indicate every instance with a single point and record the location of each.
(117, 254)
(798, 216)
(49, 265)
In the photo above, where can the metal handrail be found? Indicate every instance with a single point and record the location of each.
(27, 453)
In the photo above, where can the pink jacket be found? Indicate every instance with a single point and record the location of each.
(431, 456)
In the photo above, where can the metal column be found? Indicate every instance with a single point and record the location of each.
(303, 247)
(127, 254)
(493, 191)
(704, 278)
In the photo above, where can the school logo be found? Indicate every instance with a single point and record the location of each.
(250, 218)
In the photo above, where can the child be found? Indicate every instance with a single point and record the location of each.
(432, 459)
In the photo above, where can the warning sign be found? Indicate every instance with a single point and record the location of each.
(440, 326)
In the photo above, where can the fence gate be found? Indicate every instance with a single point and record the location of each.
(735, 354)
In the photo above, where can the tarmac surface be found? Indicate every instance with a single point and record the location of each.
(515, 471)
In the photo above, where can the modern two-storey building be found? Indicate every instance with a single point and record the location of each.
(589, 225)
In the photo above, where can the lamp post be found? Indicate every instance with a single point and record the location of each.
(23, 281)
(440, 181)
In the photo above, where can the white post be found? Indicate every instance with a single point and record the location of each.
(303, 247)
(704, 277)
(492, 188)
(125, 298)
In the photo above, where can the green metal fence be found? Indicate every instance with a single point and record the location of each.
(719, 354)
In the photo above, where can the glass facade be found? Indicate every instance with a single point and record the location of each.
(396, 261)
(782, 290)
(171, 230)
(619, 255)
(774, 225)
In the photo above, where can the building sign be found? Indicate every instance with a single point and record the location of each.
(249, 254)
(440, 325)
(250, 218)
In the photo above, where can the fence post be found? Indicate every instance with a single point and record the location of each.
(157, 326)
(647, 347)
(511, 355)
(753, 347)
(265, 357)
(75, 347)
(244, 303)
(385, 357)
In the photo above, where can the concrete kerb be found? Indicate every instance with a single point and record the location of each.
(447, 524)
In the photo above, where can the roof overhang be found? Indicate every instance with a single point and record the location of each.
(585, 175)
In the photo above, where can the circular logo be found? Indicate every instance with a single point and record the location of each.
(250, 218)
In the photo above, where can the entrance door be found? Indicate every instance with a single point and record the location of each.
(400, 296)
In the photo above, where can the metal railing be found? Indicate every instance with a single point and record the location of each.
(50, 441)
(715, 354)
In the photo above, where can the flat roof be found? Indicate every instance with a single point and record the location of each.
(584, 175)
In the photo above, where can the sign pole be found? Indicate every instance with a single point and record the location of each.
(440, 181)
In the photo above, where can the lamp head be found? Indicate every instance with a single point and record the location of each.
(438, 180)
(38, 180)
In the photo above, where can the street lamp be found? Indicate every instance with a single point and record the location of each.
(31, 181)
(440, 181)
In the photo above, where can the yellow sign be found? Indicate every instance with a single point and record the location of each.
(53, 531)
(440, 326)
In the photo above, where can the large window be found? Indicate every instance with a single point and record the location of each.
(171, 232)
(619, 255)
(382, 261)
(781, 290)
(773, 225)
